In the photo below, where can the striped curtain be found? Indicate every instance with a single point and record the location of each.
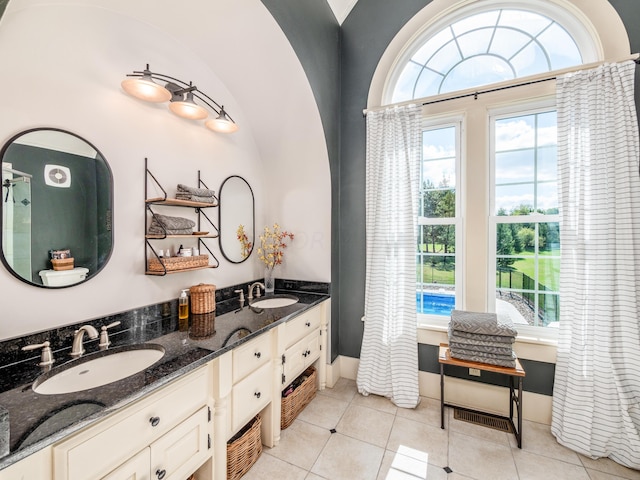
(596, 398)
(389, 354)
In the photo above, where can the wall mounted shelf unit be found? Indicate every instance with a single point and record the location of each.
(210, 230)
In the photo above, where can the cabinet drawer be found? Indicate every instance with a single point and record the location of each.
(300, 356)
(302, 325)
(250, 356)
(251, 395)
(97, 450)
(181, 451)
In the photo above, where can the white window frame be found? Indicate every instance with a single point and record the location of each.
(433, 123)
(522, 108)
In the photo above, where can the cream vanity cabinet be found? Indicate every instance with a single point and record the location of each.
(165, 436)
(302, 340)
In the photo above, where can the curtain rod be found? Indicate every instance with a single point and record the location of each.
(534, 79)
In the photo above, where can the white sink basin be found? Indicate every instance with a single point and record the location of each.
(275, 302)
(98, 369)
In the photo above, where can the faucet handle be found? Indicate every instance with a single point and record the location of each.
(46, 358)
(241, 292)
(104, 335)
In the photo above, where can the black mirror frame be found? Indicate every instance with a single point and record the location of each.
(253, 223)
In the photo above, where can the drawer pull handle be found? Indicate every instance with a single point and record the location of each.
(154, 421)
(308, 324)
(257, 394)
(161, 474)
(258, 354)
(307, 353)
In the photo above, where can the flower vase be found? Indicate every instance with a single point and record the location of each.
(269, 280)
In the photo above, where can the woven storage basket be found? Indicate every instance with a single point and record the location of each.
(203, 325)
(203, 298)
(295, 402)
(173, 264)
(244, 449)
(62, 263)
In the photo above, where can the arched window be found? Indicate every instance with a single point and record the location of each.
(488, 237)
(490, 43)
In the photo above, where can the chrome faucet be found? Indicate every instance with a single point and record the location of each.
(77, 349)
(240, 299)
(257, 284)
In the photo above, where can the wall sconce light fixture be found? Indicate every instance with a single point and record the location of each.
(181, 97)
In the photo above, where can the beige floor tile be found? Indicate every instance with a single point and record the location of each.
(411, 465)
(269, 466)
(344, 390)
(606, 465)
(536, 467)
(324, 411)
(300, 444)
(419, 436)
(427, 411)
(537, 438)
(366, 424)
(376, 402)
(480, 458)
(480, 431)
(313, 476)
(345, 458)
(596, 475)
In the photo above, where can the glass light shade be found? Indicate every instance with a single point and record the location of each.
(188, 109)
(146, 89)
(221, 124)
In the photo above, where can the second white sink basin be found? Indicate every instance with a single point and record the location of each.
(276, 301)
(98, 369)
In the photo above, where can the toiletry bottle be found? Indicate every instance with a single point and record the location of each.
(183, 311)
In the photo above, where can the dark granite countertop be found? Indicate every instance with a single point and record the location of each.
(37, 421)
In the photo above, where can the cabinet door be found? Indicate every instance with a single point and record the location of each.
(137, 468)
(251, 395)
(35, 466)
(300, 356)
(180, 452)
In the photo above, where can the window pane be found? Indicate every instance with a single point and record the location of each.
(531, 60)
(406, 82)
(475, 42)
(529, 22)
(565, 52)
(439, 173)
(515, 166)
(515, 133)
(509, 198)
(427, 83)
(476, 71)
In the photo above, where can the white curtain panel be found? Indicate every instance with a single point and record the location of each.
(596, 398)
(389, 354)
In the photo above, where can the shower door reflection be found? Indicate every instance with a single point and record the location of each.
(16, 219)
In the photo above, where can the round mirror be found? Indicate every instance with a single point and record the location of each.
(57, 197)
(236, 219)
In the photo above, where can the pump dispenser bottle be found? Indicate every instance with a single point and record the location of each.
(183, 311)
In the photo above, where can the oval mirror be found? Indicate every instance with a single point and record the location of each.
(236, 209)
(57, 197)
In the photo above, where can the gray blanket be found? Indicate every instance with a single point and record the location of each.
(482, 323)
(195, 198)
(171, 223)
(499, 349)
(479, 337)
(501, 361)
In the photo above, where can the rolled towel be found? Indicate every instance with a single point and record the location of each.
(476, 322)
(200, 192)
(172, 223)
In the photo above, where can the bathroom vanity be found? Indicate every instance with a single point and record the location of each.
(175, 417)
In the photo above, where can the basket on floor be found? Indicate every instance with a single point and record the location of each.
(244, 449)
(295, 401)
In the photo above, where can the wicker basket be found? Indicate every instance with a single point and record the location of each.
(62, 263)
(203, 298)
(173, 264)
(244, 449)
(203, 325)
(295, 402)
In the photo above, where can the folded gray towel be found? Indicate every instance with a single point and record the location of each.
(200, 192)
(172, 223)
(169, 231)
(463, 351)
(491, 361)
(484, 323)
(473, 337)
(500, 349)
(195, 198)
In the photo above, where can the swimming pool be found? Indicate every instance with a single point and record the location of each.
(435, 303)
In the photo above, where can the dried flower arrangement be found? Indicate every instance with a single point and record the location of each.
(272, 245)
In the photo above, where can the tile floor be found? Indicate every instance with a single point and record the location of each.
(374, 440)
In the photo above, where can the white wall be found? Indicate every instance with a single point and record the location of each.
(61, 66)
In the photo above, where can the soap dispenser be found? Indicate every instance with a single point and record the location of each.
(183, 311)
